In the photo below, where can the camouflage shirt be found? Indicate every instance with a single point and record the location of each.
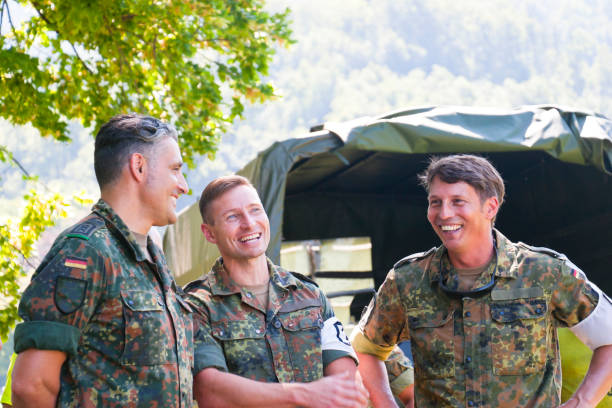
(498, 350)
(285, 343)
(119, 317)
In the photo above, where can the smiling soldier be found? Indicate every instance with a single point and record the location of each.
(104, 325)
(264, 336)
(480, 311)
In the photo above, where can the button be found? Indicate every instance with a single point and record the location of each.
(538, 310)
(467, 314)
(468, 359)
(277, 324)
(471, 403)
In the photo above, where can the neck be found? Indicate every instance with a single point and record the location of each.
(475, 258)
(128, 208)
(250, 272)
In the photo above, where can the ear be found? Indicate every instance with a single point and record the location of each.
(491, 206)
(209, 234)
(137, 166)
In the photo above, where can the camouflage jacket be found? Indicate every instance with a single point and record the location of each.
(499, 350)
(280, 344)
(127, 333)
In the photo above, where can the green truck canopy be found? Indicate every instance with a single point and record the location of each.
(359, 178)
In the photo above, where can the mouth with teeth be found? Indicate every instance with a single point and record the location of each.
(450, 228)
(250, 237)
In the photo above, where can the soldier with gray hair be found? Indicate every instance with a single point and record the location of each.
(104, 324)
(481, 312)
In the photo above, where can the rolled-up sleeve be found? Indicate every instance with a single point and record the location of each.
(61, 298)
(208, 352)
(382, 325)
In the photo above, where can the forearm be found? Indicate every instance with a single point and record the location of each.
(597, 381)
(214, 388)
(375, 379)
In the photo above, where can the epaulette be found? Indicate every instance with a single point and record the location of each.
(543, 250)
(192, 285)
(413, 257)
(304, 278)
(85, 229)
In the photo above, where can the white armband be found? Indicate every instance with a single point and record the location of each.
(334, 338)
(596, 330)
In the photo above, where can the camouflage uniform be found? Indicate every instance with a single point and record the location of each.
(400, 371)
(281, 344)
(499, 350)
(119, 317)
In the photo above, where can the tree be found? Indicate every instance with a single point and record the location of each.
(190, 62)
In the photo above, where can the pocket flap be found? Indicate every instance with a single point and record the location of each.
(301, 320)
(521, 309)
(237, 329)
(142, 301)
(420, 319)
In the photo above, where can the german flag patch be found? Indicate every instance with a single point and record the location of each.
(75, 263)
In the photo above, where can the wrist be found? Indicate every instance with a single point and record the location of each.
(297, 394)
(576, 401)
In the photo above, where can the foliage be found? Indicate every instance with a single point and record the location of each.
(17, 246)
(193, 63)
(190, 62)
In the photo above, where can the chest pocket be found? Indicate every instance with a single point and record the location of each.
(244, 346)
(518, 336)
(432, 342)
(146, 337)
(301, 330)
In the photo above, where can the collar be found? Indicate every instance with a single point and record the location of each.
(222, 284)
(113, 220)
(506, 259)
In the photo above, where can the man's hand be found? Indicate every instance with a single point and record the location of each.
(338, 390)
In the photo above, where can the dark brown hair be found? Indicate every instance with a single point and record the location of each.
(476, 171)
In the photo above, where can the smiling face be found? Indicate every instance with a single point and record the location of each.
(239, 225)
(460, 218)
(164, 182)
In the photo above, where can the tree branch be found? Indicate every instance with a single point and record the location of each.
(52, 26)
(8, 14)
(23, 256)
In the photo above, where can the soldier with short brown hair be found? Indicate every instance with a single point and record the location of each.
(104, 324)
(480, 311)
(264, 336)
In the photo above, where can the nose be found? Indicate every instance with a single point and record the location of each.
(182, 184)
(446, 211)
(247, 220)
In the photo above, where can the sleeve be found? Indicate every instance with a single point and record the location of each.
(207, 351)
(334, 342)
(399, 371)
(382, 325)
(580, 305)
(61, 298)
